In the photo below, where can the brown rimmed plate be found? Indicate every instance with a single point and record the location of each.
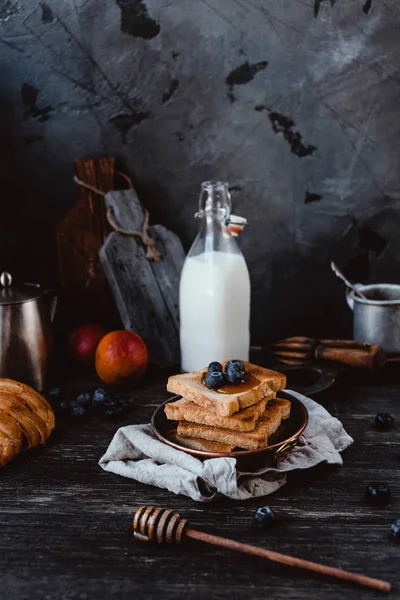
(285, 438)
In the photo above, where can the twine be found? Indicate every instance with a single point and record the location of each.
(151, 251)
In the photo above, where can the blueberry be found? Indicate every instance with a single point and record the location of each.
(98, 397)
(234, 375)
(395, 531)
(378, 493)
(215, 380)
(76, 411)
(110, 402)
(384, 422)
(237, 364)
(84, 399)
(214, 367)
(264, 517)
(125, 402)
(54, 393)
(112, 408)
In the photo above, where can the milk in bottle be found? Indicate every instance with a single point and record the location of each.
(214, 292)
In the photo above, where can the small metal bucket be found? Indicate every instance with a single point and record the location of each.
(376, 317)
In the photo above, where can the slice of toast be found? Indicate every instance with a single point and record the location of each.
(206, 445)
(267, 424)
(244, 420)
(278, 410)
(190, 386)
(285, 406)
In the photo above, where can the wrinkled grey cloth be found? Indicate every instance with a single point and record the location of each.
(135, 452)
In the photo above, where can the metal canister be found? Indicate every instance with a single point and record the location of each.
(26, 315)
(376, 315)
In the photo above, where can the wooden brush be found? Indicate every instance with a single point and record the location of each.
(164, 526)
(300, 350)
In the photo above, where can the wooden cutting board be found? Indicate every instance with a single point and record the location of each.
(85, 293)
(146, 292)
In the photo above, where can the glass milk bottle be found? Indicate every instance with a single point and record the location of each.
(214, 291)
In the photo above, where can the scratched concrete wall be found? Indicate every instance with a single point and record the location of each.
(294, 102)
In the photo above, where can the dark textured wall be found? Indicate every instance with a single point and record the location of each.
(294, 102)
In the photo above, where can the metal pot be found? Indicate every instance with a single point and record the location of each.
(26, 315)
(377, 314)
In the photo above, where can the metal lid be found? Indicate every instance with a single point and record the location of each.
(11, 294)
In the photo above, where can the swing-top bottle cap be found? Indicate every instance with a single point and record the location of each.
(215, 199)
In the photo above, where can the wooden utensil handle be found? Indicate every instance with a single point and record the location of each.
(291, 561)
(346, 344)
(393, 359)
(371, 358)
(164, 526)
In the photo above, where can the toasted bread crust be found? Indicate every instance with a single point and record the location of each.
(251, 440)
(285, 407)
(184, 410)
(205, 445)
(278, 410)
(190, 387)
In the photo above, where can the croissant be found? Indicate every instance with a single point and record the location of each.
(26, 419)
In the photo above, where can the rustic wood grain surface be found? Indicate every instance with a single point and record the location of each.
(64, 522)
(147, 300)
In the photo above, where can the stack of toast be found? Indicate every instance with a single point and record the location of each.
(243, 416)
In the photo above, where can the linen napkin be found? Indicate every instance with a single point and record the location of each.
(135, 452)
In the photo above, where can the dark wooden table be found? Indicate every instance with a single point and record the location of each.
(64, 521)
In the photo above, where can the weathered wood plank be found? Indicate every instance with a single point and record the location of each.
(63, 521)
(146, 292)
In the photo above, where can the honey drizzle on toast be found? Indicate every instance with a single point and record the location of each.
(236, 388)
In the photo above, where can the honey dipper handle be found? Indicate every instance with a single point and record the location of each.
(371, 358)
(346, 344)
(291, 561)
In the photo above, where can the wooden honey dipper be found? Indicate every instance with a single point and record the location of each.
(303, 350)
(164, 526)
